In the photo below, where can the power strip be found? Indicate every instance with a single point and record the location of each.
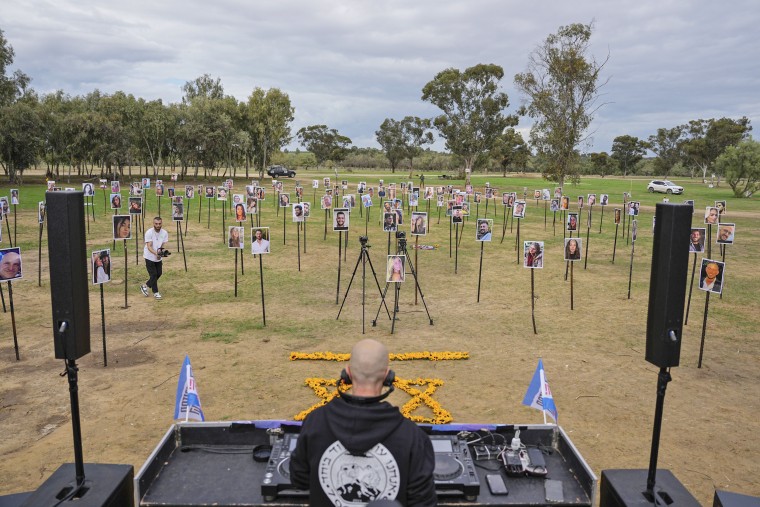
(485, 451)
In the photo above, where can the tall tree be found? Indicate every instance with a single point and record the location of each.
(20, 139)
(510, 151)
(390, 136)
(627, 151)
(416, 133)
(602, 163)
(562, 84)
(741, 166)
(705, 140)
(203, 87)
(325, 143)
(266, 118)
(473, 110)
(667, 144)
(11, 87)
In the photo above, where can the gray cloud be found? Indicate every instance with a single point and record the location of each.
(351, 64)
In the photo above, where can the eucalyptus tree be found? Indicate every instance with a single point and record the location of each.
(627, 151)
(390, 137)
(324, 143)
(266, 118)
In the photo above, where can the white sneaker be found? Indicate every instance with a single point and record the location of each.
(144, 290)
(157, 295)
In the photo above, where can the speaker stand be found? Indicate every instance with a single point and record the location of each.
(71, 372)
(662, 384)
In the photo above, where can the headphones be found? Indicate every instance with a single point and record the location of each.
(366, 400)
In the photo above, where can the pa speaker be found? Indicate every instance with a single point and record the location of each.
(68, 274)
(104, 486)
(625, 488)
(667, 284)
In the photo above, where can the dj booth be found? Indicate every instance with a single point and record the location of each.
(246, 464)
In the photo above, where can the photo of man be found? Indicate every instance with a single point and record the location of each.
(419, 223)
(711, 276)
(721, 205)
(395, 270)
(146, 182)
(554, 205)
(533, 254)
(340, 219)
(314, 183)
(260, 240)
(429, 191)
(306, 209)
(189, 191)
(326, 201)
(297, 212)
(101, 266)
(284, 200)
(633, 208)
(228, 183)
(40, 212)
(725, 234)
(519, 209)
(209, 192)
(537, 194)
(326, 182)
(389, 222)
(456, 214)
(10, 264)
(711, 215)
(697, 240)
(221, 193)
(484, 228)
(367, 200)
(235, 237)
(591, 199)
(476, 198)
(572, 222)
(617, 215)
(604, 199)
(557, 192)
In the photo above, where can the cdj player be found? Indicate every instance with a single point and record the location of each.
(454, 473)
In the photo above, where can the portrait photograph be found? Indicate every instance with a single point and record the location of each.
(557, 192)
(115, 187)
(221, 193)
(440, 201)
(580, 202)
(633, 208)
(284, 200)
(554, 205)
(326, 202)
(145, 182)
(617, 215)
(721, 205)
(572, 222)
(14, 194)
(87, 190)
(399, 216)
(299, 192)
(178, 211)
(171, 192)
(591, 199)
(101, 266)
(476, 198)
(251, 205)
(725, 234)
(518, 211)
(235, 237)
(712, 276)
(413, 199)
(419, 223)
(306, 209)
(209, 192)
(483, 229)
(41, 212)
(115, 201)
(344, 184)
(361, 187)
(489, 193)
(546, 194)
(240, 212)
(367, 200)
(260, 193)
(604, 199)
(326, 182)
(297, 212)
(564, 203)
(389, 221)
(395, 270)
(50, 186)
(135, 205)
(340, 219)
(133, 188)
(697, 240)
(429, 192)
(468, 189)
(346, 201)
(122, 227)
(10, 264)
(189, 191)
(505, 198)
(229, 183)
(466, 209)
(537, 194)
(159, 189)
(238, 199)
(456, 215)
(712, 215)
(103, 184)
(573, 249)
(533, 254)
(260, 240)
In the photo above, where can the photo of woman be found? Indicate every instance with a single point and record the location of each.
(189, 191)
(564, 203)
(554, 205)
(178, 211)
(159, 189)
(115, 201)
(533, 254)
(284, 200)
(101, 266)
(135, 205)
(251, 205)
(235, 237)
(711, 215)
(122, 227)
(86, 189)
(604, 199)
(115, 187)
(572, 249)
(260, 240)
(572, 222)
(394, 271)
(419, 223)
(617, 215)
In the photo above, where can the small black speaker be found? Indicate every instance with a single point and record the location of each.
(625, 488)
(67, 254)
(667, 284)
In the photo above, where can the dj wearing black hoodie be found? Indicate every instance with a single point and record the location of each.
(358, 448)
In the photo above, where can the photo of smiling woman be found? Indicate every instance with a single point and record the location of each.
(101, 266)
(122, 227)
(394, 271)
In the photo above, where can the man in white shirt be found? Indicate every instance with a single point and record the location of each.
(155, 239)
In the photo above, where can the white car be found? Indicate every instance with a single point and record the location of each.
(664, 187)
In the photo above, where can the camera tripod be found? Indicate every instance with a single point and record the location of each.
(401, 250)
(364, 259)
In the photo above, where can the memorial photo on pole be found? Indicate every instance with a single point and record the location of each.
(533, 254)
(419, 223)
(697, 240)
(711, 277)
(10, 264)
(297, 212)
(395, 269)
(115, 201)
(572, 221)
(178, 211)
(221, 193)
(725, 234)
(340, 219)
(135, 205)
(518, 211)
(573, 249)
(101, 266)
(617, 215)
(235, 237)
(122, 227)
(240, 212)
(389, 222)
(484, 228)
(260, 240)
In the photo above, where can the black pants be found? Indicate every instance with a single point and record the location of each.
(154, 271)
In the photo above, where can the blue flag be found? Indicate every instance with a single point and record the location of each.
(187, 404)
(539, 395)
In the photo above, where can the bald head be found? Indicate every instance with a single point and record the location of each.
(369, 363)
(10, 266)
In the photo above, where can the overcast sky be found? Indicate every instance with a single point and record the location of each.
(350, 64)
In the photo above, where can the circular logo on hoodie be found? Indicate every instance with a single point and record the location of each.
(350, 480)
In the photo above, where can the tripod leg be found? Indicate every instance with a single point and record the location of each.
(395, 306)
(382, 302)
(379, 290)
(361, 254)
(417, 284)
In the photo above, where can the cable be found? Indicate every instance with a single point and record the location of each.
(216, 449)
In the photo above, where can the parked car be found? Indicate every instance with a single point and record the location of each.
(664, 187)
(276, 171)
